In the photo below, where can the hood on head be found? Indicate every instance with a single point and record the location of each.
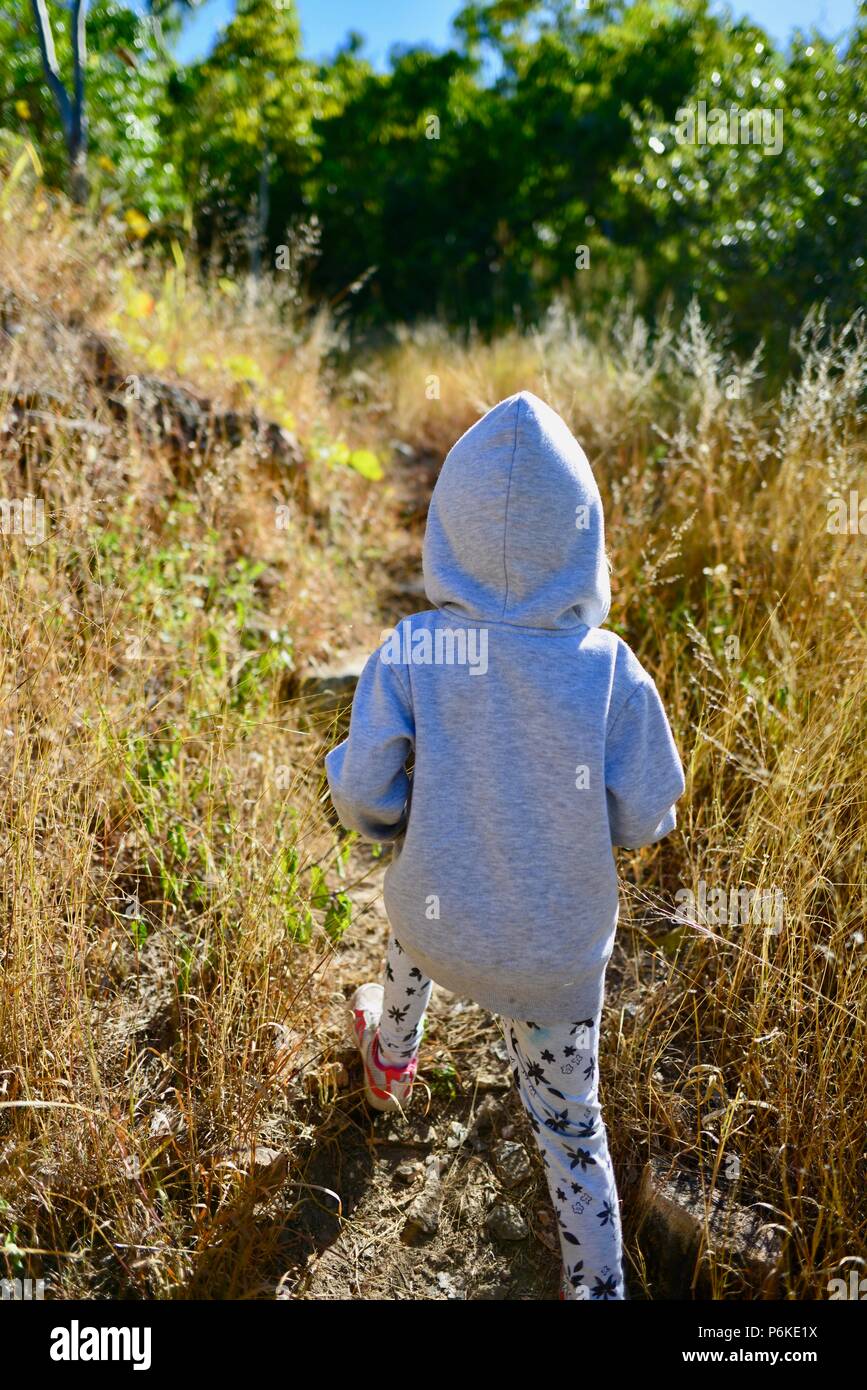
(515, 531)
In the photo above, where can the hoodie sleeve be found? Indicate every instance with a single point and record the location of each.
(367, 772)
(643, 773)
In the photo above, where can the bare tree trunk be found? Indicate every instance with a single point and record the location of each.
(79, 186)
(262, 213)
(71, 109)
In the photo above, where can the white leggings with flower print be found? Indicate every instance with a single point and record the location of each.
(556, 1072)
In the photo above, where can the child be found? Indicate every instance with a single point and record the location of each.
(539, 741)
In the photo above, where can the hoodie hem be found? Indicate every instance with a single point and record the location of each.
(572, 1001)
(546, 1012)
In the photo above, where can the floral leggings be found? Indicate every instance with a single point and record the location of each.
(556, 1072)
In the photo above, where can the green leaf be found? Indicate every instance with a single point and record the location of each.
(299, 926)
(338, 917)
(671, 943)
(319, 895)
(178, 841)
(365, 462)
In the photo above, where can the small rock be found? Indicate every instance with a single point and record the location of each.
(487, 1118)
(492, 1081)
(491, 1292)
(264, 1164)
(265, 1157)
(512, 1163)
(407, 1172)
(505, 1222)
(331, 687)
(446, 1283)
(330, 1078)
(455, 1135)
(679, 1221)
(423, 1216)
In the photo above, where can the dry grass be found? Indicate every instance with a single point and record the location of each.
(162, 817)
(740, 1050)
(163, 837)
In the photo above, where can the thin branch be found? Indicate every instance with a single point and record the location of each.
(79, 60)
(50, 66)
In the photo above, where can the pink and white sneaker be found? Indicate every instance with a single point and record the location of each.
(385, 1087)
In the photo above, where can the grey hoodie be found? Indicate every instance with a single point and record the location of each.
(539, 740)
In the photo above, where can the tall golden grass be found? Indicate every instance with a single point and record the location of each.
(166, 938)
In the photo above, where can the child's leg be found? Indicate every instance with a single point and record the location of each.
(555, 1070)
(405, 999)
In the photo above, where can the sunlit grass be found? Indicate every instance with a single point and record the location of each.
(167, 923)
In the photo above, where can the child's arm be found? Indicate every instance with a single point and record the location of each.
(643, 774)
(367, 772)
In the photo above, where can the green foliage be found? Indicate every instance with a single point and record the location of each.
(443, 1081)
(750, 229)
(127, 76)
(241, 130)
(470, 183)
(338, 917)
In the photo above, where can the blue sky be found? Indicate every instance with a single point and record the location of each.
(384, 22)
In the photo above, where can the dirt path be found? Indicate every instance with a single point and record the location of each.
(416, 1193)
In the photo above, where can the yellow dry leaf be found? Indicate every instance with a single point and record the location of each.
(365, 462)
(157, 357)
(137, 222)
(140, 305)
(244, 369)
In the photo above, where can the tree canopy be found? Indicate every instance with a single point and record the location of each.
(546, 153)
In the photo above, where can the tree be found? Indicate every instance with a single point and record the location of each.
(759, 229)
(536, 158)
(242, 131)
(70, 103)
(121, 52)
